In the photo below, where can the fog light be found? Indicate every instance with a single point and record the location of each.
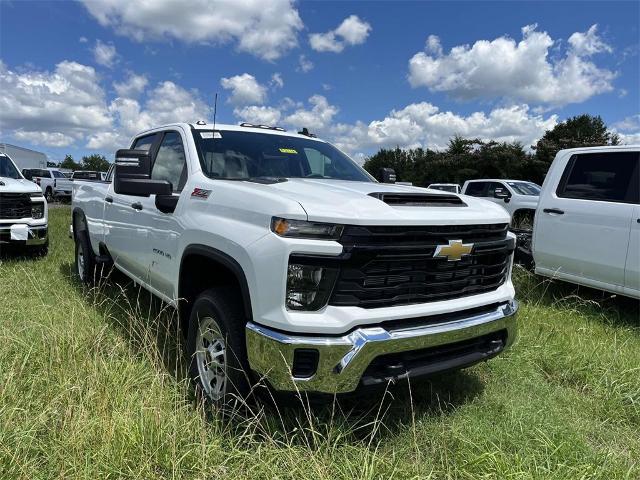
(309, 286)
(37, 210)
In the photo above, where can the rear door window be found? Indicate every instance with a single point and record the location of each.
(606, 177)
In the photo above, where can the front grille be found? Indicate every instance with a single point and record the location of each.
(15, 205)
(388, 266)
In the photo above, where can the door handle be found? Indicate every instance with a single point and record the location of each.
(553, 210)
(108, 199)
(136, 206)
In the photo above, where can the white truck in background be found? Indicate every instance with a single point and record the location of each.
(289, 263)
(23, 210)
(518, 197)
(54, 184)
(587, 224)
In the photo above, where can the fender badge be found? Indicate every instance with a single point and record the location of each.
(200, 193)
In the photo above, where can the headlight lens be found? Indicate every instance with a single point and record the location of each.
(309, 286)
(37, 210)
(304, 229)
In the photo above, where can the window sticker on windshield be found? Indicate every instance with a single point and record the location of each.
(288, 150)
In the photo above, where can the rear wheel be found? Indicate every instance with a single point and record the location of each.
(217, 350)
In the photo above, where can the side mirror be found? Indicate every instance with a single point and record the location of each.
(133, 175)
(387, 175)
(502, 194)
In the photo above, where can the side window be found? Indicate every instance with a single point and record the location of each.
(492, 188)
(109, 176)
(607, 177)
(475, 189)
(170, 163)
(144, 143)
(58, 174)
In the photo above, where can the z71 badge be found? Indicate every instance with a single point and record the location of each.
(200, 193)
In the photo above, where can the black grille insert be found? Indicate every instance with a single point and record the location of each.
(419, 199)
(15, 205)
(388, 266)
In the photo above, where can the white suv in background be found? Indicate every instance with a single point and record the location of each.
(518, 197)
(445, 187)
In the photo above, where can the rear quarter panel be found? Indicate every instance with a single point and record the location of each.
(89, 196)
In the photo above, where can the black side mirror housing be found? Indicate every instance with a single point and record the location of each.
(133, 175)
(387, 175)
(503, 194)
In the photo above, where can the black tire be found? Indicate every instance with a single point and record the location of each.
(219, 311)
(85, 260)
(48, 195)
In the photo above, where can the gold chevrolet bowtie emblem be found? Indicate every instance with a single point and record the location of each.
(454, 251)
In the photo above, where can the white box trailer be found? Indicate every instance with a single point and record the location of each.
(24, 157)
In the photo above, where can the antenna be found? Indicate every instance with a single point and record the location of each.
(215, 110)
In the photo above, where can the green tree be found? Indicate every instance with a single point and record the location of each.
(95, 162)
(579, 131)
(69, 163)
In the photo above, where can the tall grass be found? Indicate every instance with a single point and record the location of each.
(93, 385)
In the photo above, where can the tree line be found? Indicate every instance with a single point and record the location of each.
(466, 159)
(95, 162)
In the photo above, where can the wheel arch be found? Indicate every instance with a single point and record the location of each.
(202, 267)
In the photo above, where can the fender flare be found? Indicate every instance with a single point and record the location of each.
(228, 262)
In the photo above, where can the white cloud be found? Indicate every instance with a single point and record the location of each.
(132, 87)
(628, 130)
(265, 29)
(276, 81)
(66, 103)
(588, 43)
(502, 68)
(105, 54)
(423, 124)
(352, 31)
(245, 89)
(50, 139)
(318, 117)
(304, 64)
(259, 115)
(166, 103)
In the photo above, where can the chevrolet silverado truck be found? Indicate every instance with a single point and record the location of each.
(587, 225)
(23, 210)
(289, 264)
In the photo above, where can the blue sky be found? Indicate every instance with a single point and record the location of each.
(84, 77)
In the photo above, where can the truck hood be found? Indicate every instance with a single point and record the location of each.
(342, 201)
(11, 185)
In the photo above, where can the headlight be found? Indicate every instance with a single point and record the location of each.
(37, 210)
(304, 229)
(309, 286)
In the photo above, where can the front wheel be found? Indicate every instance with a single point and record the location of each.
(216, 348)
(85, 265)
(48, 195)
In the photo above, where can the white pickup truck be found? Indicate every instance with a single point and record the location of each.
(587, 225)
(518, 197)
(289, 263)
(23, 210)
(54, 183)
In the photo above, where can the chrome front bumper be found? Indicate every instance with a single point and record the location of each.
(343, 360)
(37, 235)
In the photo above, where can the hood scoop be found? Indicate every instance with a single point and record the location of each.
(418, 199)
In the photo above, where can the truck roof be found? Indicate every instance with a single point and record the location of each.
(603, 148)
(237, 128)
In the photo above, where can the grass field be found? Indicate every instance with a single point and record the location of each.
(92, 386)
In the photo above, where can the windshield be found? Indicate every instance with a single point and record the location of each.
(8, 169)
(249, 155)
(525, 188)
